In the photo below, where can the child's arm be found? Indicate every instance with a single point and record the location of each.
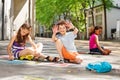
(71, 26)
(75, 30)
(31, 42)
(98, 45)
(55, 30)
(54, 38)
(10, 46)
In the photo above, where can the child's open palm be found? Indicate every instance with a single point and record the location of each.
(69, 25)
(55, 29)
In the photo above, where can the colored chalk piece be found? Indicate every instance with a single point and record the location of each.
(32, 78)
(27, 57)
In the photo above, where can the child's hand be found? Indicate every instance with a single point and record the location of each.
(55, 29)
(11, 58)
(69, 25)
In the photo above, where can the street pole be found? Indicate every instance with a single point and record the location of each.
(2, 30)
(29, 12)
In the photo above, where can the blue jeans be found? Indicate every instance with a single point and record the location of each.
(96, 51)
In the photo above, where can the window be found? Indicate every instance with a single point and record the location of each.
(99, 19)
(90, 21)
(99, 9)
(90, 13)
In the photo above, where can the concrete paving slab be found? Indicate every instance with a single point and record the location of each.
(31, 70)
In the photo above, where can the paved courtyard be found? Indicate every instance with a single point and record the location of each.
(30, 70)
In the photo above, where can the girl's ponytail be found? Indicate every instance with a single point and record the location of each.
(91, 30)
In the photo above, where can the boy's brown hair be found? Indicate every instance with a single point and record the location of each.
(62, 22)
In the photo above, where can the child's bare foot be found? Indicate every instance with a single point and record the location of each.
(81, 52)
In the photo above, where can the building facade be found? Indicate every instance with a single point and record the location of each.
(108, 19)
(13, 14)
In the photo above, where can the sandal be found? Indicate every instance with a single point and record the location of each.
(66, 60)
(55, 59)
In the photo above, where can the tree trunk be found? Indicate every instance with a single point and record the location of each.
(104, 6)
(93, 22)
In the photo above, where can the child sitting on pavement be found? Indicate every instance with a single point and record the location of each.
(65, 42)
(17, 49)
(94, 45)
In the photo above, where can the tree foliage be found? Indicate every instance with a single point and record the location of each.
(49, 11)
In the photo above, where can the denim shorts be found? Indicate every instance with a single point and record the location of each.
(96, 51)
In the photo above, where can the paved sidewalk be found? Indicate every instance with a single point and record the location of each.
(30, 70)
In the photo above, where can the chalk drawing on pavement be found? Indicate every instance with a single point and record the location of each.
(56, 64)
(4, 57)
(58, 79)
(15, 62)
(32, 78)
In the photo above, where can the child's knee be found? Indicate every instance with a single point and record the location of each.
(39, 45)
(36, 54)
(29, 51)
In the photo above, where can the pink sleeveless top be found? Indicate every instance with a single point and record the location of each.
(92, 43)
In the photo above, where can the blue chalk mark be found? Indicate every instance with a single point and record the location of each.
(15, 62)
